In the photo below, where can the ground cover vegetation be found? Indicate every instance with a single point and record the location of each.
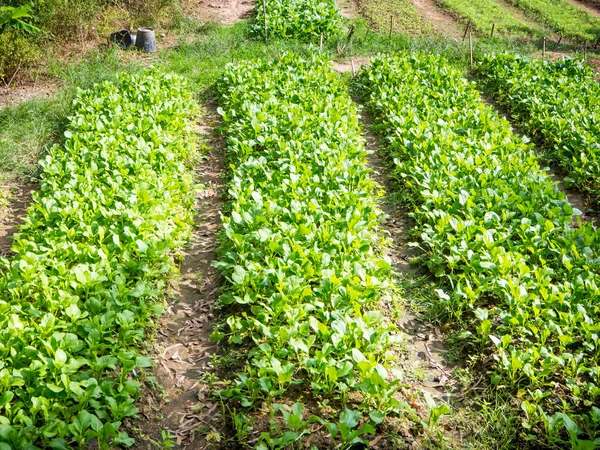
(521, 283)
(90, 263)
(557, 103)
(406, 18)
(299, 19)
(563, 17)
(483, 14)
(300, 252)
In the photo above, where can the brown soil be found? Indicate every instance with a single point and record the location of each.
(441, 20)
(345, 66)
(226, 12)
(27, 90)
(19, 198)
(590, 6)
(425, 348)
(348, 9)
(594, 4)
(183, 347)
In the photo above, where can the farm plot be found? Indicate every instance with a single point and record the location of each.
(564, 18)
(300, 19)
(521, 283)
(300, 253)
(558, 103)
(406, 18)
(91, 262)
(485, 14)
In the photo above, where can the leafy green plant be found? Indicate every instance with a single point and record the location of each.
(498, 230)
(92, 259)
(299, 246)
(16, 18)
(302, 19)
(557, 104)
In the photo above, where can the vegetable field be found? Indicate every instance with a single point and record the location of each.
(301, 255)
(301, 19)
(522, 282)
(90, 264)
(556, 103)
(208, 261)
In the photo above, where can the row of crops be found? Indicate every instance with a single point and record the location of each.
(300, 254)
(299, 19)
(527, 18)
(524, 284)
(558, 104)
(90, 265)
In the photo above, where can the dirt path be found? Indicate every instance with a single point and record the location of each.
(590, 9)
(11, 216)
(423, 358)
(522, 17)
(348, 9)
(183, 347)
(226, 12)
(12, 95)
(441, 20)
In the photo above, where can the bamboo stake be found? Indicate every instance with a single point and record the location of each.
(467, 30)
(585, 51)
(544, 47)
(265, 18)
(391, 25)
(321, 42)
(471, 48)
(492, 33)
(353, 68)
(597, 42)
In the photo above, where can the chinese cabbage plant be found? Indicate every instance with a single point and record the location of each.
(301, 19)
(495, 227)
(558, 103)
(90, 265)
(301, 253)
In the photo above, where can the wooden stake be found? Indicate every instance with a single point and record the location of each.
(467, 30)
(391, 25)
(559, 39)
(544, 47)
(492, 33)
(353, 68)
(265, 18)
(471, 48)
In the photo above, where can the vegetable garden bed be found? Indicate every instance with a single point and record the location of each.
(522, 284)
(92, 258)
(558, 103)
(300, 252)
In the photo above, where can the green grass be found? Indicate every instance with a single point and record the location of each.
(407, 19)
(484, 14)
(564, 18)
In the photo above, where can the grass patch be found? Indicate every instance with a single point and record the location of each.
(484, 14)
(407, 19)
(566, 19)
